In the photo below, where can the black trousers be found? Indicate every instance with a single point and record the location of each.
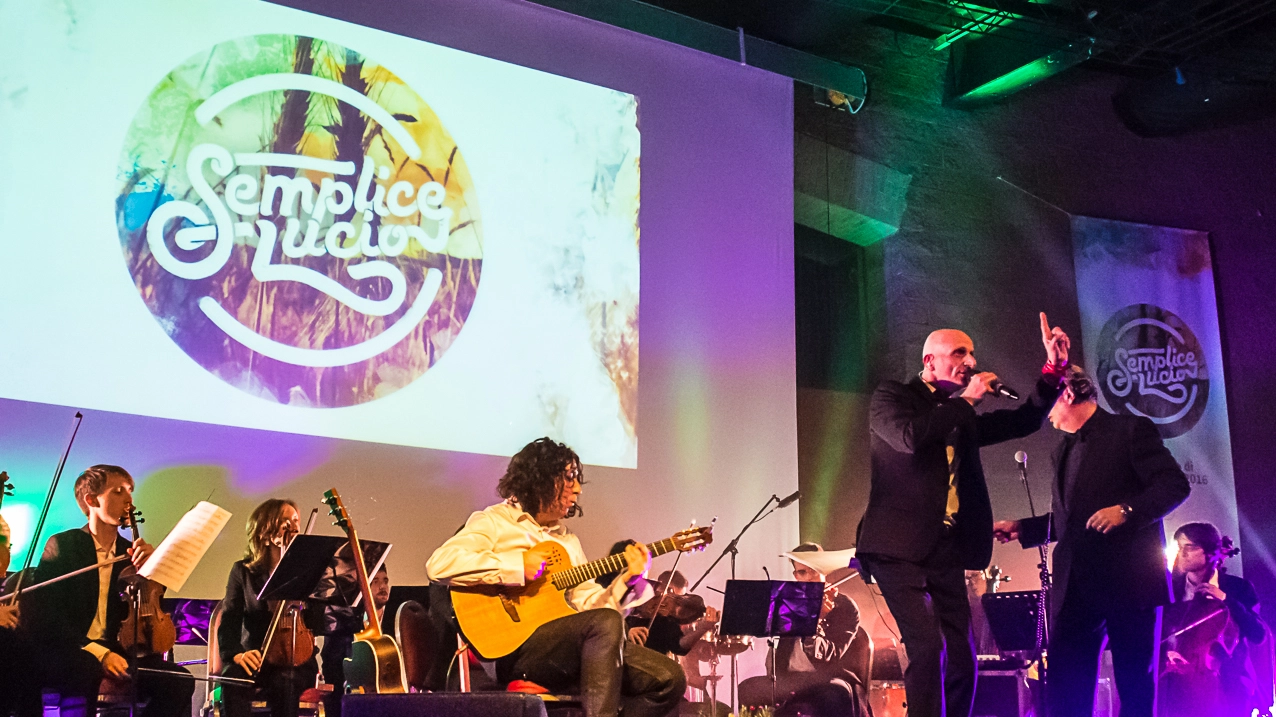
(19, 677)
(77, 675)
(282, 688)
(589, 650)
(757, 691)
(1076, 644)
(928, 600)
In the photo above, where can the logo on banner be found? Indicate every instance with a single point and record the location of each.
(1151, 364)
(299, 221)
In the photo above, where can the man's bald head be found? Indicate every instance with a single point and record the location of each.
(943, 341)
(948, 358)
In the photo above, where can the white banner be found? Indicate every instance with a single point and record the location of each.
(1149, 323)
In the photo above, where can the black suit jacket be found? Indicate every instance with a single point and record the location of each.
(910, 427)
(60, 615)
(1120, 459)
(1241, 603)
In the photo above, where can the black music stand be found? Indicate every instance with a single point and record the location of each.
(319, 568)
(313, 568)
(771, 609)
(1013, 619)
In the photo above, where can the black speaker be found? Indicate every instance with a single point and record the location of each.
(1002, 694)
(444, 704)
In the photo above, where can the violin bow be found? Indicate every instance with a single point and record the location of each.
(48, 502)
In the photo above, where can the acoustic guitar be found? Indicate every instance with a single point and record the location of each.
(375, 664)
(497, 619)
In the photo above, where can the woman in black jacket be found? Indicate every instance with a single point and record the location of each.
(245, 619)
(1205, 661)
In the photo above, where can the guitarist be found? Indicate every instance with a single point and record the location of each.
(245, 619)
(586, 650)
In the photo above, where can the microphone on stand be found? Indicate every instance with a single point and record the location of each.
(789, 500)
(1021, 457)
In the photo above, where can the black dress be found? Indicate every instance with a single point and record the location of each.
(244, 623)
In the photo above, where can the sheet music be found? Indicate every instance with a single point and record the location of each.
(175, 559)
(824, 561)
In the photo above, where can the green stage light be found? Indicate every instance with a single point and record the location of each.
(1026, 75)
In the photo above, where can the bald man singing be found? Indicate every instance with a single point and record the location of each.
(929, 518)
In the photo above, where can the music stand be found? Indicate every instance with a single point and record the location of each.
(1013, 619)
(314, 568)
(770, 609)
(191, 617)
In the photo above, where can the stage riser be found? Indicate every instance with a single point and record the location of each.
(443, 705)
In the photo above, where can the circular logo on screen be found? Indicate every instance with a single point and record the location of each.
(1150, 364)
(299, 221)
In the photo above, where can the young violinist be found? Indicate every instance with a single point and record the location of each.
(246, 620)
(1205, 661)
(75, 623)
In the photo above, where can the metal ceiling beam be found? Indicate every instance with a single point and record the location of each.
(689, 32)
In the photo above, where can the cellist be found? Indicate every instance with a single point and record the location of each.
(1205, 656)
(75, 623)
(246, 620)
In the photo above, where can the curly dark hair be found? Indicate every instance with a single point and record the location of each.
(535, 475)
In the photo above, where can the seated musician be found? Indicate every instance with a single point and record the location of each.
(674, 631)
(246, 620)
(587, 650)
(1206, 666)
(808, 661)
(19, 692)
(75, 623)
(339, 628)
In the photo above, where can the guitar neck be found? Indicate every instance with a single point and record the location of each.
(568, 579)
(365, 587)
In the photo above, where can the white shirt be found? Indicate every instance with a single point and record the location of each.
(489, 551)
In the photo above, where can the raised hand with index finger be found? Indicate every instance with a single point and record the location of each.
(1056, 342)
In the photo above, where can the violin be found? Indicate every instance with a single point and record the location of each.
(684, 609)
(147, 630)
(289, 643)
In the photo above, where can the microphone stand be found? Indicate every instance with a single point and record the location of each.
(732, 548)
(1043, 567)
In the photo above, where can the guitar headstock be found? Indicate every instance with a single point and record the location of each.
(693, 538)
(336, 509)
(6, 488)
(131, 519)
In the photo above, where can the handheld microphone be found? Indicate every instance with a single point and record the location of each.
(1003, 390)
(789, 500)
